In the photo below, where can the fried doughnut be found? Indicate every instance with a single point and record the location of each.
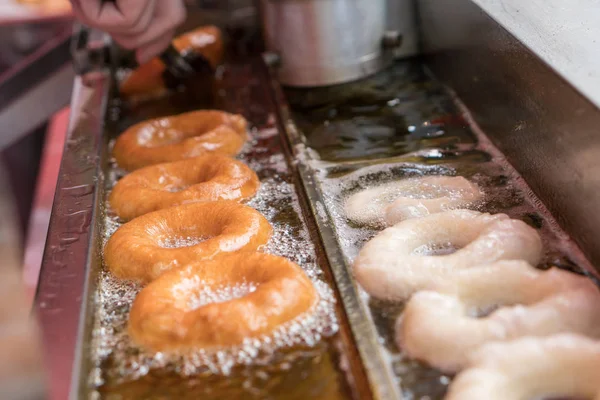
(147, 246)
(410, 198)
(147, 80)
(561, 366)
(399, 261)
(442, 329)
(179, 137)
(206, 178)
(164, 316)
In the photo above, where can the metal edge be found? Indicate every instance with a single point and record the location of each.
(66, 262)
(81, 366)
(378, 371)
(356, 373)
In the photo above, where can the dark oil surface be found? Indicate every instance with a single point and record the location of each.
(378, 117)
(311, 376)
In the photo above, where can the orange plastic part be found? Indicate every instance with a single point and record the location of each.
(163, 319)
(147, 79)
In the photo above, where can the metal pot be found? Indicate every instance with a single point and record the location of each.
(325, 42)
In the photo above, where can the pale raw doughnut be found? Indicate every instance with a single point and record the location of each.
(561, 366)
(441, 329)
(410, 198)
(395, 263)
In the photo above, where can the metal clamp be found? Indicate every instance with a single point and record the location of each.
(90, 50)
(391, 40)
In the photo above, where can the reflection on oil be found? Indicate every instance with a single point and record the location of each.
(395, 112)
(304, 377)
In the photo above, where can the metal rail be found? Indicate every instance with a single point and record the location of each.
(66, 258)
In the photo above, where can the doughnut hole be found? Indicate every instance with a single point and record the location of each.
(209, 177)
(220, 302)
(175, 242)
(436, 249)
(158, 134)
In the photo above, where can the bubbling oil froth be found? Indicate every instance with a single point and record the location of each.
(199, 293)
(278, 202)
(505, 192)
(129, 362)
(176, 242)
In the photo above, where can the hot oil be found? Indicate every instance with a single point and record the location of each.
(415, 129)
(379, 117)
(175, 242)
(301, 359)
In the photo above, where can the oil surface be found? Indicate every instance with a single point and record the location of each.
(400, 124)
(379, 117)
(300, 360)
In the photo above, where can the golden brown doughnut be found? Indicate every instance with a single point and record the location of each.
(178, 137)
(206, 178)
(147, 246)
(147, 80)
(164, 318)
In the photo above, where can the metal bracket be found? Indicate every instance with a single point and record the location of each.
(90, 50)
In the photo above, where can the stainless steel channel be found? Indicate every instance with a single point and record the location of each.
(67, 257)
(545, 128)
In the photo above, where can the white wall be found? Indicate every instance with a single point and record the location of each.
(564, 33)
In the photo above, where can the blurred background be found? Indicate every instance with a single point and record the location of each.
(29, 155)
(31, 141)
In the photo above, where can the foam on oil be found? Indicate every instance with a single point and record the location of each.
(175, 242)
(117, 358)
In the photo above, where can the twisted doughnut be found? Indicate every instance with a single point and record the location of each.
(561, 366)
(147, 246)
(397, 262)
(205, 178)
(147, 79)
(441, 327)
(163, 316)
(178, 137)
(410, 198)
